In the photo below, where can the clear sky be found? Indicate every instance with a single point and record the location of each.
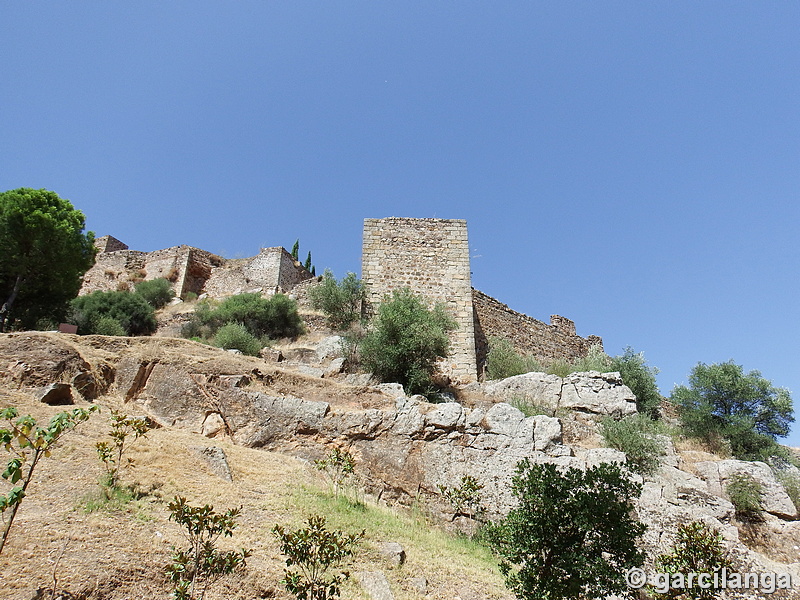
(633, 166)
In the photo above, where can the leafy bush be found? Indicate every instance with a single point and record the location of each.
(465, 499)
(697, 549)
(635, 435)
(405, 341)
(195, 568)
(745, 494)
(312, 551)
(791, 483)
(338, 465)
(109, 326)
(134, 315)
(110, 454)
(572, 534)
(156, 292)
(273, 317)
(744, 409)
(29, 444)
(640, 378)
(504, 361)
(595, 360)
(235, 336)
(340, 301)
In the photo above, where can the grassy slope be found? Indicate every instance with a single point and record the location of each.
(116, 554)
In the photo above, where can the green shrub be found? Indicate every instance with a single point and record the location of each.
(791, 483)
(110, 453)
(572, 534)
(640, 378)
(274, 317)
(28, 444)
(195, 568)
(109, 326)
(635, 435)
(312, 551)
(189, 296)
(595, 360)
(746, 410)
(157, 292)
(340, 301)
(131, 311)
(745, 495)
(504, 361)
(466, 499)
(337, 465)
(234, 336)
(405, 341)
(697, 549)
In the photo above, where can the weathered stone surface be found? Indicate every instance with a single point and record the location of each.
(329, 348)
(394, 390)
(271, 354)
(375, 585)
(774, 498)
(595, 393)
(217, 461)
(55, 394)
(335, 367)
(419, 584)
(213, 425)
(393, 552)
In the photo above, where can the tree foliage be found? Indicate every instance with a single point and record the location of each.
(571, 535)
(697, 549)
(28, 444)
(95, 312)
(310, 553)
(745, 410)
(273, 317)
(405, 340)
(43, 254)
(195, 568)
(340, 301)
(637, 436)
(640, 378)
(156, 292)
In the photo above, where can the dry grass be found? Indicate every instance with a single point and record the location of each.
(120, 554)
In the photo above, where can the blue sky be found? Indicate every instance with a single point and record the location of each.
(633, 166)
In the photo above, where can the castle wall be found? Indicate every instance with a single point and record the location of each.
(272, 270)
(431, 258)
(547, 343)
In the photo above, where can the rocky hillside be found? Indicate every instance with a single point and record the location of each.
(271, 416)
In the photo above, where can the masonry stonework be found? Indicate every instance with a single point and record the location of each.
(192, 270)
(431, 258)
(547, 343)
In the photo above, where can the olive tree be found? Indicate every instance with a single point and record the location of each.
(744, 409)
(43, 255)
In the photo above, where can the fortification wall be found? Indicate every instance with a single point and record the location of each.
(271, 270)
(547, 343)
(431, 258)
(109, 243)
(113, 271)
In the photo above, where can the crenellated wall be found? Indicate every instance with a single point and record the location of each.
(547, 343)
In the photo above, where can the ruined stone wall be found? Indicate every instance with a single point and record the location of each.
(272, 270)
(547, 343)
(185, 267)
(113, 271)
(109, 243)
(430, 257)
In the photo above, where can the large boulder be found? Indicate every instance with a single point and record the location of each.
(594, 393)
(774, 499)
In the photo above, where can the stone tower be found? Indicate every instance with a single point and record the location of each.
(431, 258)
